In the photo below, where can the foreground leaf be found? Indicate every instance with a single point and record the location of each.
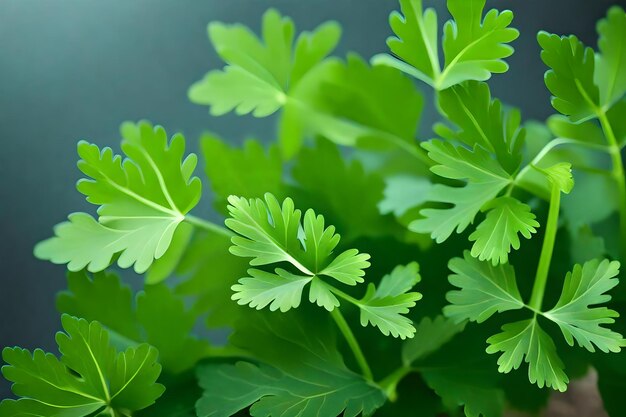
(584, 287)
(306, 377)
(89, 377)
(484, 290)
(499, 232)
(525, 340)
(142, 200)
(270, 234)
(384, 306)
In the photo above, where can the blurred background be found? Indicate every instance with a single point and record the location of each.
(75, 69)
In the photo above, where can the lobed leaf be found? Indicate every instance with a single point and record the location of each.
(584, 287)
(484, 290)
(89, 377)
(526, 340)
(143, 199)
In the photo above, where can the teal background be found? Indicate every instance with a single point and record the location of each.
(75, 69)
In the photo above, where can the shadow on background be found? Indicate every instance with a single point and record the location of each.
(75, 69)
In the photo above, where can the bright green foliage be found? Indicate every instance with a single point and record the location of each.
(474, 46)
(270, 234)
(393, 197)
(484, 290)
(489, 154)
(282, 289)
(584, 287)
(142, 198)
(260, 73)
(525, 340)
(262, 174)
(498, 233)
(384, 306)
(158, 317)
(560, 175)
(305, 377)
(485, 179)
(90, 376)
(610, 74)
(570, 78)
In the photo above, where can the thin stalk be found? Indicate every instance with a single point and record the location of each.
(353, 343)
(207, 225)
(618, 174)
(541, 278)
(390, 383)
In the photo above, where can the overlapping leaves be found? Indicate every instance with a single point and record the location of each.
(157, 316)
(305, 377)
(483, 151)
(485, 290)
(319, 95)
(90, 377)
(271, 233)
(142, 200)
(474, 46)
(585, 84)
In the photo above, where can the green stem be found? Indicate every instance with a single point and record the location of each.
(352, 342)
(618, 174)
(541, 278)
(390, 383)
(207, 225)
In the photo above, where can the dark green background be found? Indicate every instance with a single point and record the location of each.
(75, 69)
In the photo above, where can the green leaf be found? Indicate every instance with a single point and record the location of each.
(610, 74)
(584, 287)
(158, 317)
(384, 306)
(165, 266)
(484, 290)
(499, 232)
(143, 199)
(560, 175)
(260, 73)
(263, 169)
(430, 335)
(484, 121)
(209, 271)
(334, 105)
(457, 388)
(525, 340)
(89, 377)
(305, 377)
(570, 77)
(281, 290)
(342, 190)
(402, 193)
(485, 177)
(474, 47)
(270, 234)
